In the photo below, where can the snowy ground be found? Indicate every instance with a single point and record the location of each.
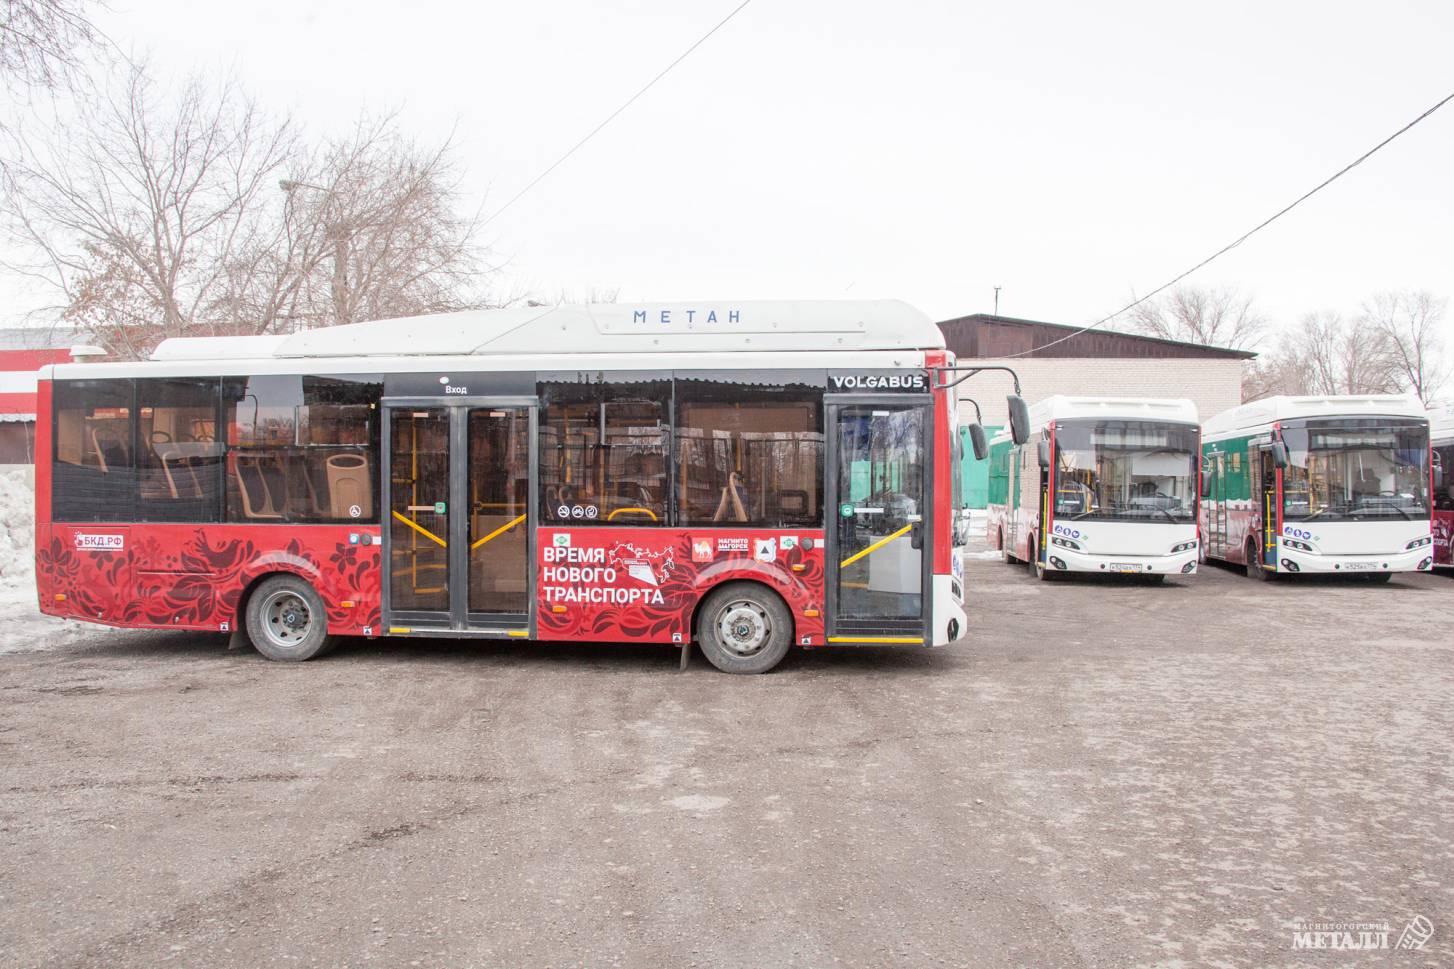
(25, 628)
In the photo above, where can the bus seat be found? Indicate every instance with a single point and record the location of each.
(348, 485)
(257, 501)
(731, 503)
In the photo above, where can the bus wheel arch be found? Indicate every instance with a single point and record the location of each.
(743, 626)
(285, 617)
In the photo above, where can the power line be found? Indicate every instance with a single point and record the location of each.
(1249, 233)
(612, 116)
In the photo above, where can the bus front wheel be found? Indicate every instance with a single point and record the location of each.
(744, 628)
(287, 621)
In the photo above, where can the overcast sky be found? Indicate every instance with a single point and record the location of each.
(1072, 153)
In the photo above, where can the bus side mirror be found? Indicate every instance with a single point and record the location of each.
(1279, 454)
(1438, 470)
(978, 443)
(1019, 418)
(1206, 483)
(1042, 453)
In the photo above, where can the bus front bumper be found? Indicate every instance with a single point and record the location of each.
(1406, 560)
(1069, 560)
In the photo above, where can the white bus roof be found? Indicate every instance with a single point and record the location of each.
(693, 327)
(1262, 414)
(1062, 408)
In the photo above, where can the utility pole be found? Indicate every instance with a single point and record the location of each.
(997, 301)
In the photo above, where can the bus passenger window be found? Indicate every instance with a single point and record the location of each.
(749, 455)
(603, 453)
(94, 477)
(178, 456)
(301, 449)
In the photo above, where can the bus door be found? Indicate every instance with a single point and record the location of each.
(879, 545)
(1219, 503)
(459, 541)
(1266, 495)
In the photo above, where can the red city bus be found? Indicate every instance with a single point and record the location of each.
(747, 476)
(1441, 434)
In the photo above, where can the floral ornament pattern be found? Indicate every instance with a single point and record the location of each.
(194, 576)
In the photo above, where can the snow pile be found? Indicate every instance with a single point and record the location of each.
(22, 627)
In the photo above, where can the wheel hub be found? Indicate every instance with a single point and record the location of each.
(744, 627)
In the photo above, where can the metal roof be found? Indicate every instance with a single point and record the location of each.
(1260, 414)
(987, 336)
(611, 328)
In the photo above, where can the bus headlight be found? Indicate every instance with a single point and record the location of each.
(1064, 542)
(1183, 547)
(1419, 543)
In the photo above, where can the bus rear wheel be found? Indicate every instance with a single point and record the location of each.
(1254, 567)
(744, 628)
(287, 621)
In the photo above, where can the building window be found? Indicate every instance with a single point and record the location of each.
(603, 452)
(749, 455)
(94, 475)
(178, 456)
(301, 449)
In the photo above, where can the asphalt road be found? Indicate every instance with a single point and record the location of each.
(1102, 775)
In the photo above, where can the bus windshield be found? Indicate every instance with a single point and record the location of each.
(1356, 470)
(1125, 471)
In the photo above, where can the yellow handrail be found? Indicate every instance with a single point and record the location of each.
(622, 511)
(422, 530)
(497, 532)
(874, 547)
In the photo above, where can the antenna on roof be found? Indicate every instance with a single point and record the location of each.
(997, 300)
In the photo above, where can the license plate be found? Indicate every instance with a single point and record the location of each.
(1125, 567)
(1359, 567)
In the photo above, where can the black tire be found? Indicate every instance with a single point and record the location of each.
(1155, 580)
(1005, 553)
(287, 621)
(1254, 567)
(744, 627)
(1379, 577)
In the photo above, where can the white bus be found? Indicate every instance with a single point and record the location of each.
(1104, 484)
(1319, 484)
(749, 476)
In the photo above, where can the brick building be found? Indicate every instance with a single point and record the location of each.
(1098, 363)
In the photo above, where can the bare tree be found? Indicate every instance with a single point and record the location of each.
(40, 41)
(134, 209)
(366, 228)
(1408, 326)
(1327, 354)
(154, 215)
(1211, 317)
